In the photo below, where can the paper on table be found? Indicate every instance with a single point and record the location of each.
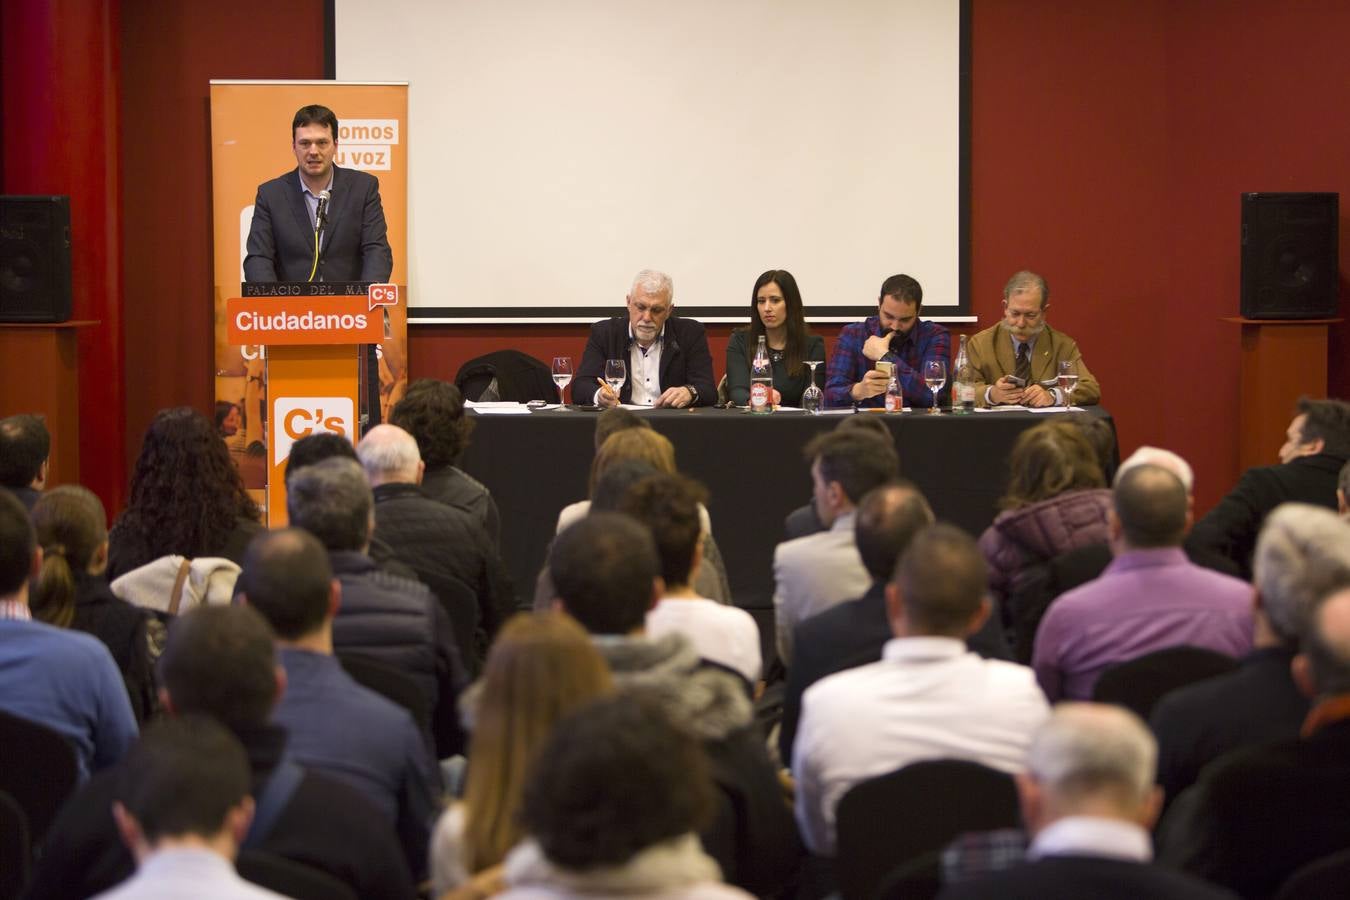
(1055, 409)
(511, 409)
(994, 409)
(490, 404)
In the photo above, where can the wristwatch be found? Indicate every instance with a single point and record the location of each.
(693, 394)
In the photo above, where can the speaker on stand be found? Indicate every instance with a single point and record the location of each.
(1289, 264)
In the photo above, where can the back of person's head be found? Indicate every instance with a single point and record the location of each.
(24, 447)
(613, 484)
(332, 501)
(614, 420)
(1302, 552)
(315, 448)
(857, 460)
(18, 543)
(668, 506)
(940, 582)
(1326, 645)
(72, 529)
(1047, 460)
(187, 776)
(644, 444)
(888, 519)
(1090, 755)
(1329, 421)
(432, 411)
(286, 577)
(219, 662)
(865, 425)
(389, 455)
(1157, 456)
(615, 778)
(603, 569)
(1151, 506)
(1102, 437)
(541, 667)
(186, 492)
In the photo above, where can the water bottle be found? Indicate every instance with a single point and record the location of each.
(761, 380)
(895, 395)
(963, 393)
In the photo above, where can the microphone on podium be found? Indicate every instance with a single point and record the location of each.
(321, 214)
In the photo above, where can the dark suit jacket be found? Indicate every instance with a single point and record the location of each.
(1075, 877)
(685, 359)
(1231, 527)
(281, 238)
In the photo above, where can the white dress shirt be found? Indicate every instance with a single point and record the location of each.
(726, 635)
(644, 369)
(193, 872)
(928, 698)
(1092, 836)
(813, 573)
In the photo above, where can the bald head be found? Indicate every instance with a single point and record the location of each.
(888, 519)
(1151, 507)
(1163, 459)
(390, 456)
(1326, 645)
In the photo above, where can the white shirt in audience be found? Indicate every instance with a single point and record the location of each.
(575, 512)
(726, 635)
(169, 874)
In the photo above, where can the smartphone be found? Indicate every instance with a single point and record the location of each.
(1020, 382)
(885, 365)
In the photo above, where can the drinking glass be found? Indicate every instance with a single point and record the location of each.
(562, 377)
(813, 397)
(935, 376)
(616, 373)
(1068, 380)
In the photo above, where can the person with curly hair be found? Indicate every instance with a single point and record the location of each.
(432, 411)
(187, 497)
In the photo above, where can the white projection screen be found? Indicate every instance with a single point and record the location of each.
(556, 147)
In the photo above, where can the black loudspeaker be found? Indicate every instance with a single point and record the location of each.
(1289, 266)
(34, 259)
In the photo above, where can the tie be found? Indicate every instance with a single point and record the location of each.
(1023, 370)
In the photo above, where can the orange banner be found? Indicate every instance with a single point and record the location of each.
(303, 320)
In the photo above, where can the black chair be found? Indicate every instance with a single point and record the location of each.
(38, 769)
(1318, 880)
(291, 879)
(391, 683)
(918, 879)
(894, 818)
(1140, 683)
(507, 375)
(16, 852)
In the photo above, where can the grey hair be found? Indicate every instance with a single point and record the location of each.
(1303, 552)
(1166, 459)
(388, 450)
(332, 501)
(650, 281)
(1328, 646)
(1084, 749)
(1024, 282)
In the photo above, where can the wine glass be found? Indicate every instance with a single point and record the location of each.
(935, 376)
(1068, 380)
(562, 377)
(616, 373)
(813, 397)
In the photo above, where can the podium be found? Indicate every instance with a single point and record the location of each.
(313, 334)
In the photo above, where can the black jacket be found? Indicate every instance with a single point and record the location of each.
(1074, 877)
(121, 627)
(129, 549)
(455, 487)
(685, 359)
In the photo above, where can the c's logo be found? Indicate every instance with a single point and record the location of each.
(297, 417)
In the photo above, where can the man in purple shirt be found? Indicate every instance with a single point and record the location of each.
(894, 335)
(1150, 596)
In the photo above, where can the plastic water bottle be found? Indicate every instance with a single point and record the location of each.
(963, 394)
(895, 395)
(761, 380)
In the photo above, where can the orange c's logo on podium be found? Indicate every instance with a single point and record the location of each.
(297, 417)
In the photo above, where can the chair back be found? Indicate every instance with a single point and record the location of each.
(16, 853)
(1140, 683)
(891, 819)
(1319, 879)
(38, 769)
(391, 683)
(507, 375)
(291, 879)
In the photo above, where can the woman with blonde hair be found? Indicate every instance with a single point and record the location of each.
(542, 667)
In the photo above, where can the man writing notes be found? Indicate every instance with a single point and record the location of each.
(1016, 362)
(667, 357)
(895, 335)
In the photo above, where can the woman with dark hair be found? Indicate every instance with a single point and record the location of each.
(776, 314)
(187, 497)
(432, 412)
(228, 418)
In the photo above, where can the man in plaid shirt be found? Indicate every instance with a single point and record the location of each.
(895, 335)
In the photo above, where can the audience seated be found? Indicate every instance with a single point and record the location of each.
(607, 576)
(1150, 596)
(928, 698)
(24, 447)
(183, 809)
(187, 498)
(805, 520)
(818, 571)
(1317, 445)
(394, 620)
(669, 505)
(62, 679)
(444, 545)
(432, 412)
(71, 591)
(1258, 702)
(613, 807)
(220, 662)
(336, 726)
(1259, 814)
(1088, 800)
(541, 668)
